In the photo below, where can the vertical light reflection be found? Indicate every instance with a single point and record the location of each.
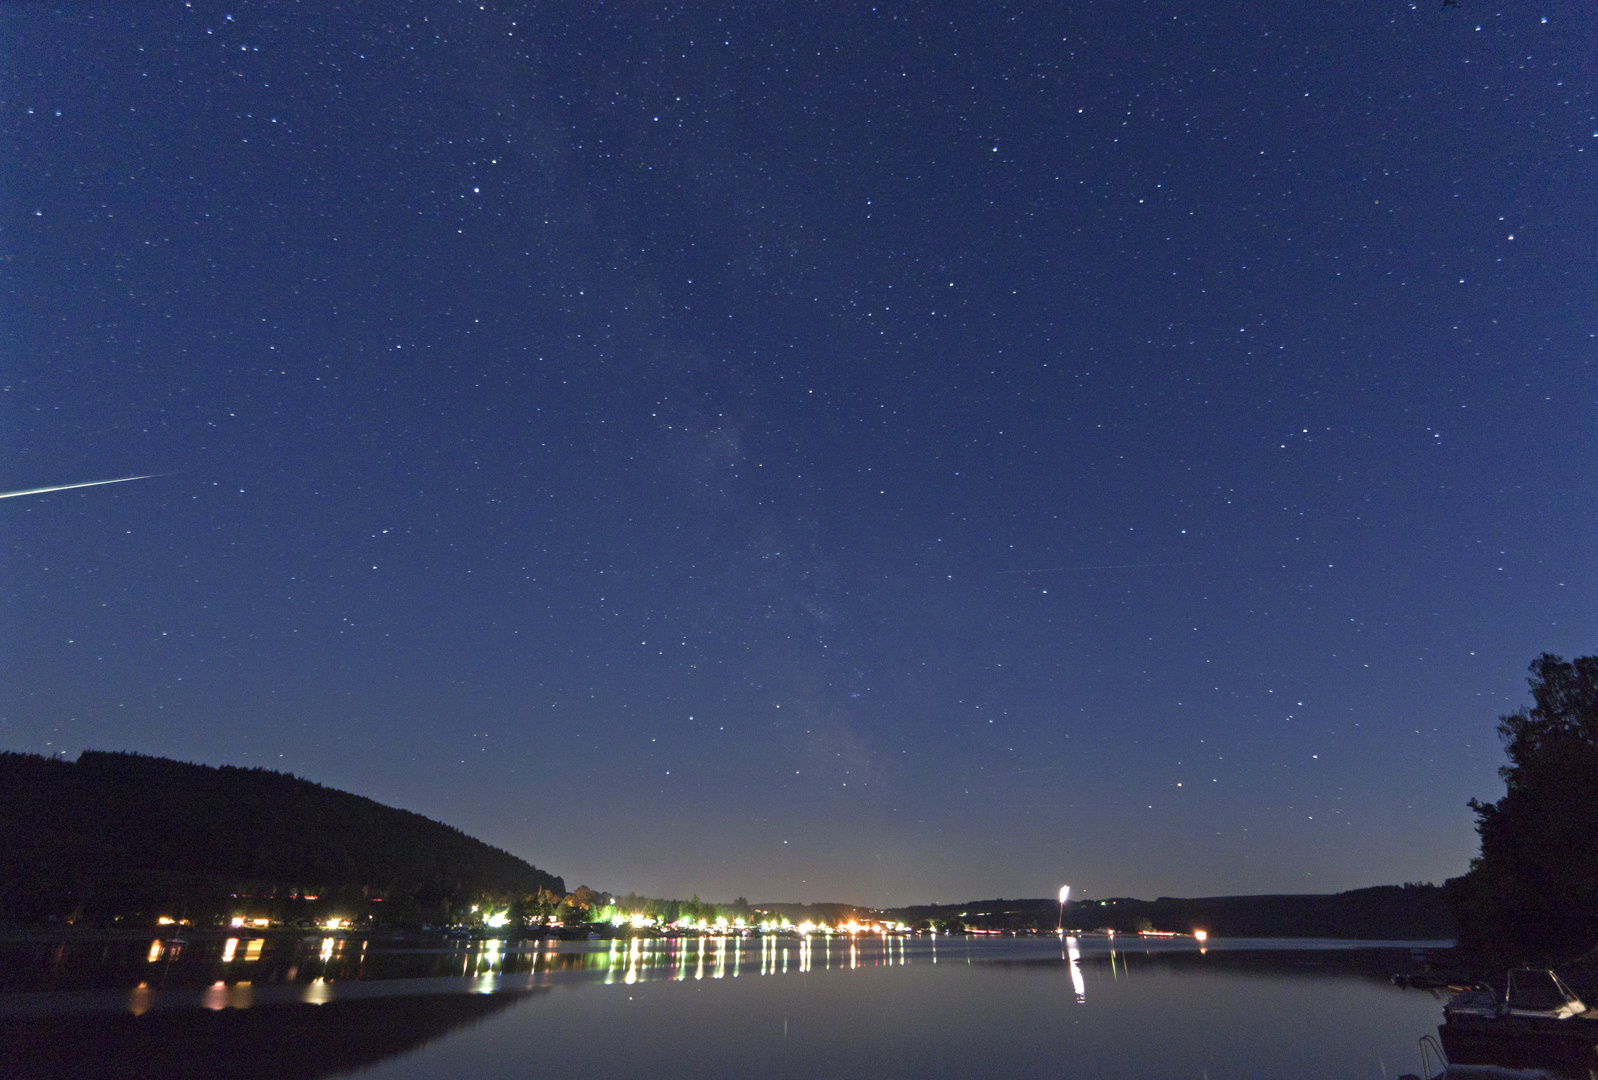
(632, 963)
(215, 996)
(229, 947)
(327, 949)
(737, 954)
(854, 954)
(804, 954)
(610, 963)
(140, 998)
(785, 958)
(721, 958)
(699, 952)
(317, 992)
(252, 949)
(155, 951)
(1076, 971)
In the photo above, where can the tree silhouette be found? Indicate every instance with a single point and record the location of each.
(1532, 893)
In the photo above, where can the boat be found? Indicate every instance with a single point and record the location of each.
(1537, 1022)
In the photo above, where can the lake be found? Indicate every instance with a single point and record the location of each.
(713, 1007)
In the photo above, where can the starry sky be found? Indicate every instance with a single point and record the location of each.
(810, 451)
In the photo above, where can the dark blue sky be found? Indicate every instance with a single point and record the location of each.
(806, 451)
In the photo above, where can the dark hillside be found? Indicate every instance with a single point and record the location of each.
(115, 837)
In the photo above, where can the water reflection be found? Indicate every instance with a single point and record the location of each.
(280, 1042)
(992, 1008)
(1074, 958)
(178, 973)
(169, 966)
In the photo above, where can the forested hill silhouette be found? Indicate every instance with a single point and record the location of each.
(126, 838)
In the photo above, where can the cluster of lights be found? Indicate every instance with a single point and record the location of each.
(723, 925)
(239, 922)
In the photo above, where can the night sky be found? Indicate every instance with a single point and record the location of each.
(810, 451)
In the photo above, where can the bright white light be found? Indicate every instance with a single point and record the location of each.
(1065, 893)
(497, 921)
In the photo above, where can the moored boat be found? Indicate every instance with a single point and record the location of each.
(1538, 1022)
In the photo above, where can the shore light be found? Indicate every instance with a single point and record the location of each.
(1065, 894)
(1202, 935)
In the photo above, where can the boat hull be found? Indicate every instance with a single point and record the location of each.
(1569, 1046)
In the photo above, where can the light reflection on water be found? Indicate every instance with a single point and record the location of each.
(881, 1008)
(726, 1005)
(176, 972)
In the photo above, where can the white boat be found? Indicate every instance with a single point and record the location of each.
(1531, 994)
(1537, 1023)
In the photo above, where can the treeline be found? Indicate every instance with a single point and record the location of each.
(115, 838)
(1532, 893)
(665, 910)
(1387, 912)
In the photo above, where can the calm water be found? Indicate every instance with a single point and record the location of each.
(774, 1007)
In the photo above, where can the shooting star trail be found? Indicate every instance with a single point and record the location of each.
(1114, 566)
(69, 487)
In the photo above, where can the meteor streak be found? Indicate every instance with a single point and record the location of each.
(69, 487)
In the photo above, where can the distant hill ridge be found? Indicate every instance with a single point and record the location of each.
(117, 834)
(1390, 912)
